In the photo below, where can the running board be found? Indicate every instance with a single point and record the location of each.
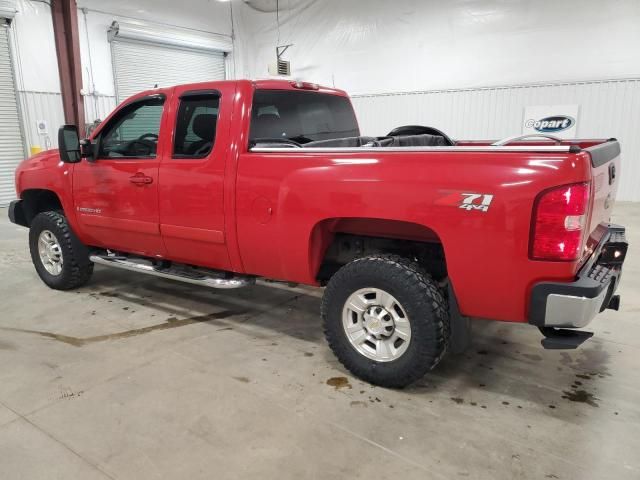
(173, 273)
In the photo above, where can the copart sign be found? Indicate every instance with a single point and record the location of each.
(557, 123)
(558, 120)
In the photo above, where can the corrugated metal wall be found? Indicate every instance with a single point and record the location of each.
(37, 107)
(97, 107)
(608, 108)
(47, 106)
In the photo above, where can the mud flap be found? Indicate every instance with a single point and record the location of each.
(460, 326)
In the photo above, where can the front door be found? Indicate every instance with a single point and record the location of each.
(116, 196)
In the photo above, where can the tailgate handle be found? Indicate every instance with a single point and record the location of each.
(612, 173)
(140, 179)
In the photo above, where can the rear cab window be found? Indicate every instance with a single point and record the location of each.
(301, 117)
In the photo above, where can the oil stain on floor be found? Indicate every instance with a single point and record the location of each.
(339, 382)
(171, 322)
(581, 396)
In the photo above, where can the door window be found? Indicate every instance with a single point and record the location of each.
(196, 125)
(133, 132)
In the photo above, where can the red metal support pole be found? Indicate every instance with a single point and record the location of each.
(65, 29)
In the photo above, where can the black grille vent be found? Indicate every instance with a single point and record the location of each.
(284, 68)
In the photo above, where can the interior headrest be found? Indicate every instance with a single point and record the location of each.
(267, 125)
(204, 126)
(268, 117)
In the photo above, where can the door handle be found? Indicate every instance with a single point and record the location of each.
(140, 179)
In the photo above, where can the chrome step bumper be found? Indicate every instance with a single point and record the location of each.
(575, 304)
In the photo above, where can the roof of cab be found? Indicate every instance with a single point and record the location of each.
(265, 84)
(277, 84)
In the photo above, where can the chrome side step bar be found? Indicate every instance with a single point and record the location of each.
(181, 274)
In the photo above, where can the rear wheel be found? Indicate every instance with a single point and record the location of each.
(385, 319)
(61, 260)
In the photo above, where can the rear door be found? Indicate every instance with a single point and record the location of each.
(192, 173)
(116, 196)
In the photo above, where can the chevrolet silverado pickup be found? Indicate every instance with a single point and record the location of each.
(412, 233)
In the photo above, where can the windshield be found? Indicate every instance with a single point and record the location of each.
(301, 117)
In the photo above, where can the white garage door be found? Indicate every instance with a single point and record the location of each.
(11, 145)
(140, 66)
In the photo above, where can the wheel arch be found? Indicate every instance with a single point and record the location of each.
(37, 200)
(334, 242)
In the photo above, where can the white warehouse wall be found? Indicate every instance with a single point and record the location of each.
(467, 67)
(373, 46)
(36, 72)
(36, 65)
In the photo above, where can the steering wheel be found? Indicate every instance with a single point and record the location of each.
(148, 142)
(152, 136)
(420, 130)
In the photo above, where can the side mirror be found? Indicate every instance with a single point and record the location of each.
(89, 150)
(69, 144)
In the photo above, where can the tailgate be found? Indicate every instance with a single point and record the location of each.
(605, 169)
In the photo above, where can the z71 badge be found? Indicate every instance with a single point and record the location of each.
(476, 201)
(468, 201)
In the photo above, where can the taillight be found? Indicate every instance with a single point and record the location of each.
(559, 222)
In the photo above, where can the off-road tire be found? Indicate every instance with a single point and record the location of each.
(420, 296)
(76, 266)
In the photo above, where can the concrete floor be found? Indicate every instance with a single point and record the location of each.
(134, 377)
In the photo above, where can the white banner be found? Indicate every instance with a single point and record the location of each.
(557, 120)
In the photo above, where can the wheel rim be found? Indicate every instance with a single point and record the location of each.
(376, 324)
(50, 252)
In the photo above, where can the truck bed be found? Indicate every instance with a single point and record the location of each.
(411, 188)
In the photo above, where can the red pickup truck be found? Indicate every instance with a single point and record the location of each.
(412, 233)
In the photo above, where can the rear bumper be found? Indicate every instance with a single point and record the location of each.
(16, 213)
(575, 304)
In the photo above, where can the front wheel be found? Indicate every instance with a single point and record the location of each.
(61, 260)
(385, 319)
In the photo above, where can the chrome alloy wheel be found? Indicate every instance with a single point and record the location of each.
(50, 252)
(376, 324)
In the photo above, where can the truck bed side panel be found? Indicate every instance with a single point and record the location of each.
(282, 197)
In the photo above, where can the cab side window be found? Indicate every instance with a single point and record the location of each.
(196, 124)
(133, 132)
